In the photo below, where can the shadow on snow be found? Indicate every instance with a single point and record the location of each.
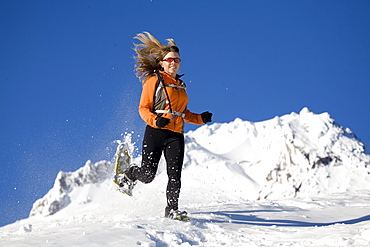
(241, 217)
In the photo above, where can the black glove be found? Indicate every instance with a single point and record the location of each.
(206, 117)
(162, 122)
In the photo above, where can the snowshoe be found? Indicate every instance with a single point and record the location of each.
(177, 215)
(121, 166)
(122, 159)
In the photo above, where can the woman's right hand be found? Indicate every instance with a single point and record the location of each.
(162, 122)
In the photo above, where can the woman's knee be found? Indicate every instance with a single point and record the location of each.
(147, 175)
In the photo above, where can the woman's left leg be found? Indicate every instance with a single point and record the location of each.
(174, 154)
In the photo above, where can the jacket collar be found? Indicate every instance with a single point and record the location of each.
(164, 74)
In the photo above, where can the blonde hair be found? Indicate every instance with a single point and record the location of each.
(149, 54)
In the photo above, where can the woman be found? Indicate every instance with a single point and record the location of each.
(164, 108)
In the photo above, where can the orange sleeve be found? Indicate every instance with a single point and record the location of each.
(146, 101)
(193, 118)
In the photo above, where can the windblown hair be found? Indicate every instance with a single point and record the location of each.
(149, 54)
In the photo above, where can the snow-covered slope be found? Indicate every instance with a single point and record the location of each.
(303, 154)
(233, 172)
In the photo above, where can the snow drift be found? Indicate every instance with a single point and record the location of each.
(296, 155)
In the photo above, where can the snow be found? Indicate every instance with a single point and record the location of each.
(295, 180)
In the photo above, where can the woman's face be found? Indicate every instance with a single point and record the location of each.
(171, 67)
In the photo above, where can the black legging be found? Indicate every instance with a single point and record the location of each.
(172, 145)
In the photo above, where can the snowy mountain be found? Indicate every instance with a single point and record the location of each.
(297, 154)
(232, 171)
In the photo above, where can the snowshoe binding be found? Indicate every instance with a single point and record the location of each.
(124, 184)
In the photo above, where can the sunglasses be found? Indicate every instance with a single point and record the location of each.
(170, 59)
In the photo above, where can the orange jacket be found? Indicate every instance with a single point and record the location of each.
(178, 99)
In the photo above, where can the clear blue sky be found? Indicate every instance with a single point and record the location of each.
(68, 90)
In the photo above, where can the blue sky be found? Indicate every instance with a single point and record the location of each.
(68, 89)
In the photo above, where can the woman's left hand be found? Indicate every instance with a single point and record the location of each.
(206, 117)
